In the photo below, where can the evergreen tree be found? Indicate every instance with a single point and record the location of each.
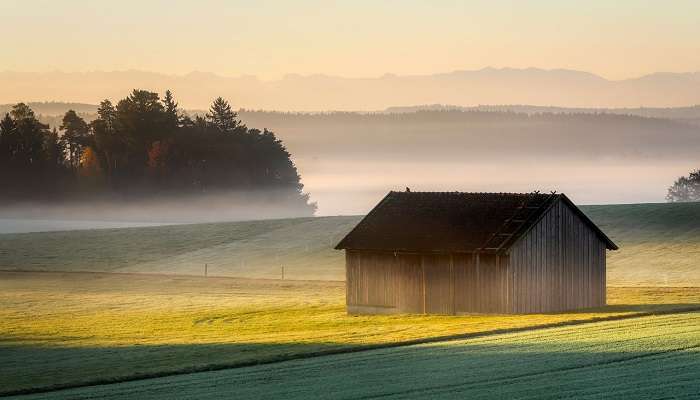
(8, 140)
(222, 117)
(171, 110)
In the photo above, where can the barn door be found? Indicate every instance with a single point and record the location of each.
(438, 278)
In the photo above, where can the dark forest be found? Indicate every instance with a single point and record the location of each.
(143, 146)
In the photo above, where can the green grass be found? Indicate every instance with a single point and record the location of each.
(69, 329)
(660, 245)
(59, 329)
(252, 249)
(644, 358)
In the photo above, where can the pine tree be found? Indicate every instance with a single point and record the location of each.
(171, 111)
(222, 117)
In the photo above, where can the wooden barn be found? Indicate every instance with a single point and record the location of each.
(454, 253)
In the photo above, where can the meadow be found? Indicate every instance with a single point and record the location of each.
(71, 329)
(129, 308)
(646, 357)
(659, 246)
(249, 249)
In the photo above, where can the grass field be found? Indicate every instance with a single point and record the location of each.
(142, 319)
(641, 358)
(59, 329)
(660, 245)
(251, 249)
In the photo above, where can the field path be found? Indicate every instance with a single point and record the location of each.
(642, 357)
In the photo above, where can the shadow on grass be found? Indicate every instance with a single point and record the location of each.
(34, 368)
(33, 365)
(627, 363)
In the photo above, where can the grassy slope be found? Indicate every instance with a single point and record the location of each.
(649, 357)
(74, 328)
(660, 245)
(253, 249)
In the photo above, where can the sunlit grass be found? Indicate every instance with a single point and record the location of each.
(114, 326)
(648, 357)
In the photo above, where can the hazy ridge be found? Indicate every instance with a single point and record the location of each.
(565, 88)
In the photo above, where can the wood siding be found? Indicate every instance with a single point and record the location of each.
(380, 282)
(558, 265)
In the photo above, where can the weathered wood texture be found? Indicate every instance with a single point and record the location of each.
(558, 265)
(380, 282)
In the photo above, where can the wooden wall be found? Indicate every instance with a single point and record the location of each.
(381, 282)
(558, 265)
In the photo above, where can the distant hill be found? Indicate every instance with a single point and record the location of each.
(659, 246)
(54, 107)
(564, 88)
(689, 114)
(51, 109)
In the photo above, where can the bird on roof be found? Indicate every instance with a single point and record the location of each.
(408, 189)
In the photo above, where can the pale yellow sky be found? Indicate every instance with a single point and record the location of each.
(615, 39)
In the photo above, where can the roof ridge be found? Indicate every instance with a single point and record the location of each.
(477, 193)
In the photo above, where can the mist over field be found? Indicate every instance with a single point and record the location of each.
(349, 160)
(33, 216)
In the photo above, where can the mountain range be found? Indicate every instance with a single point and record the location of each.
(559, 87)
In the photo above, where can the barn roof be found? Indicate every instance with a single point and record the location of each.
(454, 221)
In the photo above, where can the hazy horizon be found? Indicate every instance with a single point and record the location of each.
(616, 40)
(322, 92)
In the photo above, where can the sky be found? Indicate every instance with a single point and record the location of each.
(268, 39)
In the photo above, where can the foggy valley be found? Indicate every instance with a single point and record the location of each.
(347, 160)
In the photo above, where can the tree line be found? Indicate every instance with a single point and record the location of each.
(143, 145)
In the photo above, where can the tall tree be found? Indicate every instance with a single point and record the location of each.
(107, 114)
(140, 121)
(172, 116)
(55, 149)
(8, 140)
(28, 148)
(110, 148)
(222, 117)
(77, 135)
